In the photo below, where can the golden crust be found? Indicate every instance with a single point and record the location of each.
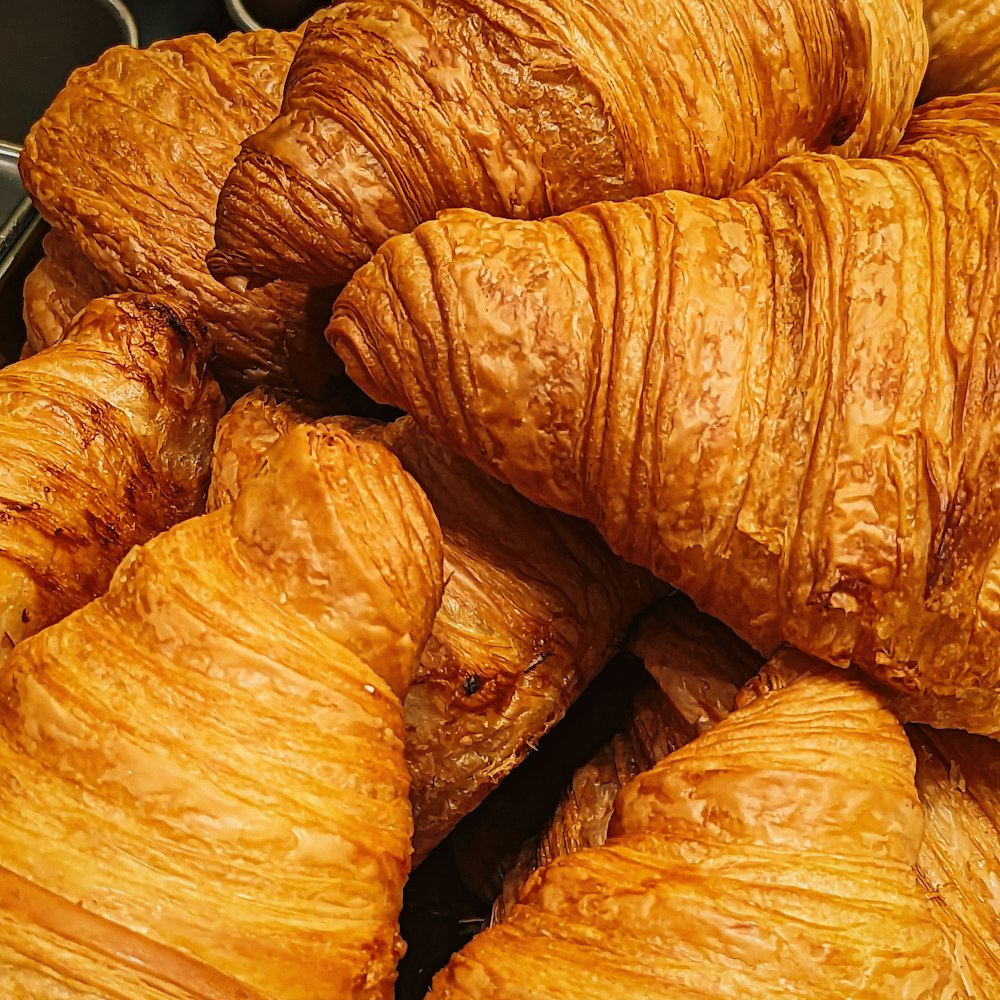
(777, 848)
(393, 113)
(203, 785)
(106, 440)
(779, 402)
(698, 666)
(534, 605)
(964, 49)
(58, 287)
(128, 161)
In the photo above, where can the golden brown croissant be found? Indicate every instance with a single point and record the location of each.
(393, 112)
(781, 402)
(58, 287)
(698, 666)
(128, 162)
(964, 38)
(773, 856)
(202, 782)
(534, 605)
(106, 440)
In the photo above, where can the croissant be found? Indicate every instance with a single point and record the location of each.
(772, 856)
(105, 440)
(534, 605)
(203, 788)
(779, 402)
(964, 54)
(698, 667)
(58, 287)
(393, 112)
(127, 163)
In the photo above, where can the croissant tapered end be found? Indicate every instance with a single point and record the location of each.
(770, 857)
(390, 115)
(105, 440)
(357, 513)
(777, 402)
(203, 790)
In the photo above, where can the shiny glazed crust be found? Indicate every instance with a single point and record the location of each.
(128, 162)
(777, 848)
(534, 605)
(105, 440)
(781, 402)
(202, 780)
(393, 112)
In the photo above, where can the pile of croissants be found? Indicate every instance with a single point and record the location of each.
(385, 377)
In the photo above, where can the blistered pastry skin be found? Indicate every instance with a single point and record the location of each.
(534, 605)
(105, 440)
(771, 856)
(204, 790)
(780, 402)
(127, 163)
(393, 112)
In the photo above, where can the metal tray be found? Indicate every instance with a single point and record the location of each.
(20, 247)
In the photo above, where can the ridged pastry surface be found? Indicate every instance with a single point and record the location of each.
(781, 402)
(772, 857)
(128, 161)
(395, 111)
(534, 605)
(57, 288)
(203, 791)
(105, 440)
(964, 38)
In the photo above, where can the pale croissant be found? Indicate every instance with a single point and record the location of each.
(105, 440)
(534, 605)
(781, 402)
(393, 112)
(127, 164)
(772, 857)
(202, 781)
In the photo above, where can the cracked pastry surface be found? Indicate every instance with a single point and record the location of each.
(781, 402)
(395, 111)
(534, 605)
(127, 163)
(204, 792)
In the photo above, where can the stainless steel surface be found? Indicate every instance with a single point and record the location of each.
(252, 15)
(17, 217)
(42, 42)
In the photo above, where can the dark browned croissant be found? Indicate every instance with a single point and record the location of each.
(105, 440)
(203, 793)
(394, 111)
(782, 402)
(127, 163)
(534, 605)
